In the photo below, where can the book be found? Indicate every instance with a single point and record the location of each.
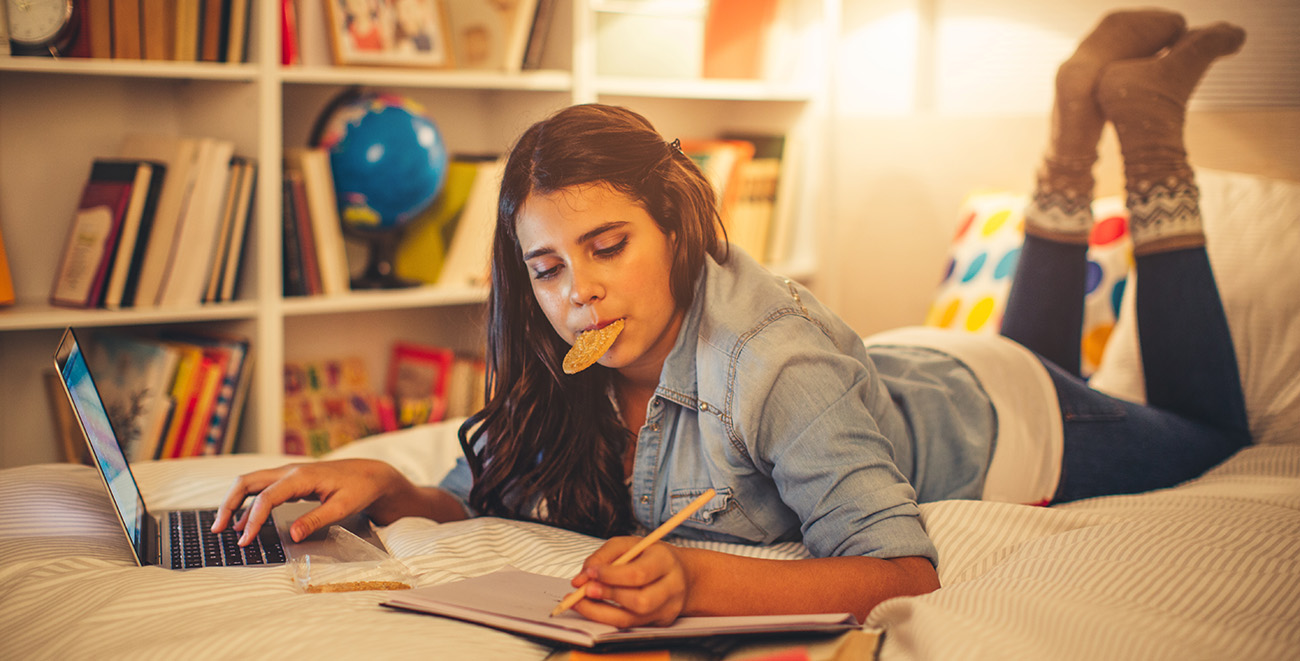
(759, 195)
(420, 254)
(328, 404)
(212, 372)
(225, 226)
(305, 238)
(221, 426)
(469, 254)
(238, 16)
(188, 14)
(120, 290)
(6, 275)
(188, 376)
(289, 42)
(135, 376)
(238, 239)
(212, 25)
(721, 161)
(418, 375)
(196, 233)
(179, 155)
(126, 30)
(521, 602)
(158, 26)
(99, 27)
(322, 209)
(490, 35)
(90, 247)
(291, 267)
(735, 37)
(4, 29)
(538, 34)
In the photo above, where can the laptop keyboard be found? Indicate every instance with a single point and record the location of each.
(195, 545)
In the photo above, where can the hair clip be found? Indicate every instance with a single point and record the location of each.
(676, 145)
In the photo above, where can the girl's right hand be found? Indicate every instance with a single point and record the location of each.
(343, 487)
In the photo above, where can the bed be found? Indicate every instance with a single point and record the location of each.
(1207, 569)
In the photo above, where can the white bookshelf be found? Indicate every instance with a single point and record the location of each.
(57, 115)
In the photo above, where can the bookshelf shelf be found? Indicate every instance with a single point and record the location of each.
(57, 115)
(722, 89)
(38, 316)
(363, 301)
(542, 81)
(132, 69)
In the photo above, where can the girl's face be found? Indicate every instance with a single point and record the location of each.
(595, 256)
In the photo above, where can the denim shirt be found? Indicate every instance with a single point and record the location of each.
(771, 399)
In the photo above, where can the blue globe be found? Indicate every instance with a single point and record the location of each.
(388, 159)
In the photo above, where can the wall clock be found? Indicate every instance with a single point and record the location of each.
(41, 26)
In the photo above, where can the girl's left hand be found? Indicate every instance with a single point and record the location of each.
(649, 590)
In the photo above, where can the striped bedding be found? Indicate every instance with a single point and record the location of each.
(1210, 569)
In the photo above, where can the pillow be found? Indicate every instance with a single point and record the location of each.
(1252, 228)
(986, 250)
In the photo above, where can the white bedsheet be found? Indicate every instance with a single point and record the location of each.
(1210, 569)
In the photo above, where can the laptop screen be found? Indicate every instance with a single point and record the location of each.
(99, 432)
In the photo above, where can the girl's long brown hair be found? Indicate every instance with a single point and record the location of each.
(545, 436)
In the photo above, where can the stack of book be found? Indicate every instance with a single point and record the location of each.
(178, 395)
(163, 224)
(178, 30)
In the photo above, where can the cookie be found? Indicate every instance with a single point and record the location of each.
(591, 345)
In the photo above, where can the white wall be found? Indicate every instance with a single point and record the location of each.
(937, 98)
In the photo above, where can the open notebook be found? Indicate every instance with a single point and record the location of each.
(521, 602)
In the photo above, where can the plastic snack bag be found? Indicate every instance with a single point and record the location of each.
(349, 564)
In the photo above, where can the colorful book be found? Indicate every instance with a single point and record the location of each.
(188, 368)
(193, 442)
(90, 247)
(222, 423)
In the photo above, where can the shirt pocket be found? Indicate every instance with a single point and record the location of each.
(723, 518)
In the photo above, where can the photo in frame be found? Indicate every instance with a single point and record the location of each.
(491, 34)
(389, 33)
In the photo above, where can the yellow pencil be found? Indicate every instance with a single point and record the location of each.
(658, 534)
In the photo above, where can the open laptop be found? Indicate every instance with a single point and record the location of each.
(179, 539)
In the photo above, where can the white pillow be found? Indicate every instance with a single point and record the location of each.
(1252, 228)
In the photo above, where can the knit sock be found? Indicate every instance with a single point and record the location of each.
(1061, 206)
(1147, 102)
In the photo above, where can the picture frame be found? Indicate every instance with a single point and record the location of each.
(405, 33)
(492, 35)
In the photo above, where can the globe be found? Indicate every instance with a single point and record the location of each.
(389, 163)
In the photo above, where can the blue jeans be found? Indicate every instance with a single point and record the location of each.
(1195, 416)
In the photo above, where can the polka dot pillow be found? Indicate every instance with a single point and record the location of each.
(986, 251)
